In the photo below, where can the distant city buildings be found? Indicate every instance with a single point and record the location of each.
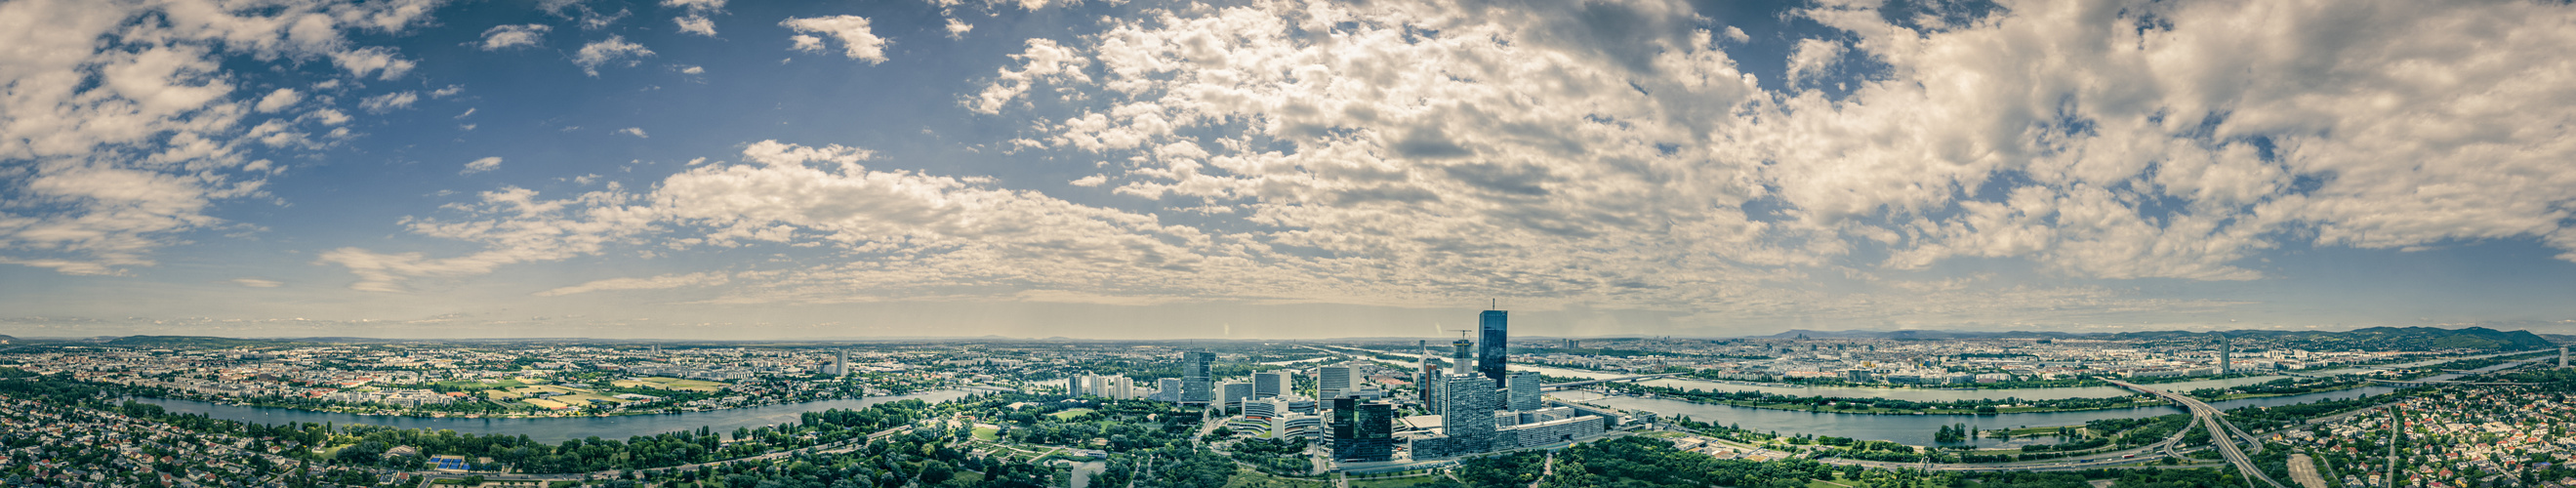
(1196, 388)
(1269, 384)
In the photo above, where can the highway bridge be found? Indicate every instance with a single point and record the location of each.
(2221, 433)
(1571, 384)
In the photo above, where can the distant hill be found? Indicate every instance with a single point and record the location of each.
(2370, 339)
(185, 341)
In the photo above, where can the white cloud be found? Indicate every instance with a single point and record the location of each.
(1043, 60)
(693, 70)
(388, 102)
(1813, 57)
(696, 5)
(654, 283)
(607, 51)
(279, 100)
(1090, 181)
(509, 36)
(449, 91)
(696, 25)
(124, 130)
(856, 39)
(638, 132)
(258, 283)
(957, 29)
(487, 163)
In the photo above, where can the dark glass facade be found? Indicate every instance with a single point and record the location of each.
(1496, 335)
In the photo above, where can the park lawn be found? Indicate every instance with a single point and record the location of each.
(584, 398)
(1247, 478)
(1070, 413)
(1404, 482)
(667, 383)
(987, 433)
(550, 404)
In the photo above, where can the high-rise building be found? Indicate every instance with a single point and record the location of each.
(1524, 388)
(1233, 394)
(1167, 389)
(1332, 382)
(1495, 336)
(1196, 387)
(1362, 431)
(2562, 357)
(1467, 412)
(2223, 346)
(1268, 384)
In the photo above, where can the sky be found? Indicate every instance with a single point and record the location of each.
(1276, 169)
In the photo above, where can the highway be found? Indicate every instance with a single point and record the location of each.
(2221, 433)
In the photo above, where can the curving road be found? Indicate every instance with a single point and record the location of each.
(2220, 432)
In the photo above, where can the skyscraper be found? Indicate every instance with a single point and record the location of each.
(1524, 387)
(1467, 413)
(1269, 384)
(1196, 387)
(1362, 431)
(1494, 336)
(2223, 346)
(1332, 382)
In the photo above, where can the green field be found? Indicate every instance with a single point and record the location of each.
(673, 384)
(1403, 482)
(987, 433)
(1247, 478)
(1069, 414)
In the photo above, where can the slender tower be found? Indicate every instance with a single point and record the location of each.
(2223, 347)
(1496, 335)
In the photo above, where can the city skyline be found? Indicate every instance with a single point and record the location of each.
(703, 169)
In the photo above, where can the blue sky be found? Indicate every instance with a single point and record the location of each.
(1279, 169)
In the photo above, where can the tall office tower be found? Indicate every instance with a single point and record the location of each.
(1233, 394)
(1467, 413)
(1167, 389)
(840, 363)
(1362, 431)
(1524, 386)
(1196, 387)
(1495, 336)
(2562, 357)
(1269, 384)
(1073, 386)
(1332, 382)
(2223, 346)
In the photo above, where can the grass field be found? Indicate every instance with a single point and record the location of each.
(1247, 478)
(1069, 414)
(674, 384)
(545, 403)
(1403, 482)
(985, 433)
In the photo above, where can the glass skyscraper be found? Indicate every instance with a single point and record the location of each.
(1496, 334)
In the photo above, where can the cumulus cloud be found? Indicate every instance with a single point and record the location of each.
(278, 100)
(1594, 159)
(696, 25)
(487, 163)
(857, 41)
(611, 50)
(957, 29)
(922, 233)
(638, 132)
(510, 36)
(124, 131)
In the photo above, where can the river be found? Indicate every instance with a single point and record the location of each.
(1915, 429)
(1918, 429)
(554, 429)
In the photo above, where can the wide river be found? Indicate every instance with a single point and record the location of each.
(555, 429)
(1913, 429)
(1918, 429)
